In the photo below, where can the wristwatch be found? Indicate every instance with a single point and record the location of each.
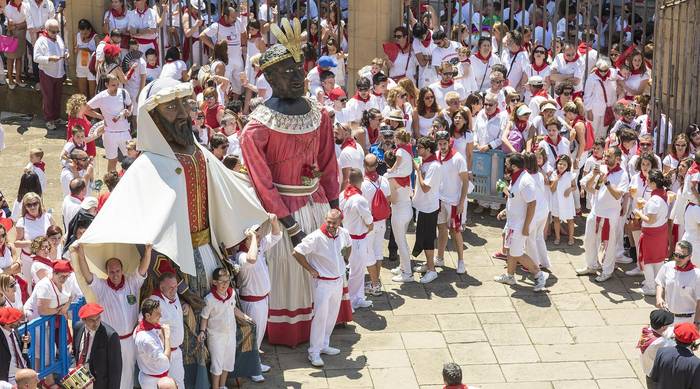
(607, 183)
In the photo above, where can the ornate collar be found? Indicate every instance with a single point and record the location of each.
(289, 124)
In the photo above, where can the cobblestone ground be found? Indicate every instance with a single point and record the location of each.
(579, 334)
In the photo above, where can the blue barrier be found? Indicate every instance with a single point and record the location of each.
(487, 168)
(42, 332)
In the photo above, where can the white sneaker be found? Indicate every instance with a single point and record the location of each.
(403, 278)
(429, 277)
(330, 351)
(624, 260)
(634, 272)
(375, 290)
(362, 304)
(461, 269)
(439, 262)
(396, 271)
(505, 279)
(541, 281)
(264, 368)
(316, 360)
(258, 378)
(586, 271)
(603, 277)
(420, 269)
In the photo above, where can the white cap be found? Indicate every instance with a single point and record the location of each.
(88, 202)
(523, 110)
(535, 80)
(547, 106)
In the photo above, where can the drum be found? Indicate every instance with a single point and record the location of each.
(78, 378)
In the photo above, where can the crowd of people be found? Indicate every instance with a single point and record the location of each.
(568, 112)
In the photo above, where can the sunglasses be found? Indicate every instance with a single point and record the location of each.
(645, 144)
(12, 285)
(681, 145)
(3, 235)
(489, 104)
(516, 100)
(200, 117)
(362, 89)
(680, 256)
(343, 100)
(497, 81)
(540, 52)
(398, 36)
(81, 159)
(32, 205)
(456, 102)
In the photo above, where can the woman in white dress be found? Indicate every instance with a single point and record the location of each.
(482, 62)
(677, 151)
(426, 110)
(83, 47)
(639, 77)
(462, 134)
(562, 185)
(33, 223)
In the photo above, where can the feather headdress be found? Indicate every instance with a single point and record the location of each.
(289, 43)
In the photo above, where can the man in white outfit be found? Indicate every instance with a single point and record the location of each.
(172, 314)
(152, 341)
(357, 219)
(118, 294)
(376, 190)
(319, 253)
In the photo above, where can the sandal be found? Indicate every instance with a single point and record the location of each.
(571, 242)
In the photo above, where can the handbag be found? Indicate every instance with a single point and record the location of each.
(8, 44)
(609, 117)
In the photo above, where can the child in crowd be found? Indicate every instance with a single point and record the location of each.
(131, 150)
(37, 165)
(562, 206)
(152, 66)
(596, 158)
(78, 141)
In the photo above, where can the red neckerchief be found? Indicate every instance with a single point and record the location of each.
(583, 48)
(447, 84)
(426, 42)
(445, 158)
(688, 267)
(373, 134)
(149, 66)
(576, 57)
(377, 94)
(694, 168)
(602, 77)
(349, 142)
(649, 335)
(43, 260)
(79, 198)
(258, 35)
(46, 35)
(157, 292)
(116, 287)
(407, 148)
(624, 149)
(459, 386)
(325, 232)
(19, 6)
(373, 176)
(542, 92)
(521, 125)
(514, 176)
(643, 178)
(42, 165)
(482, 58)
(491, 116)
(431, 158)
(215, 293)
(146, 326)
(616, 169)
(641, 70)
(223, 22)
(514, 53)
(116, 14)
(141, 13)
(661, 193)
(673, 154)
(351, 190)
(358, 97)
(559, 102)
(539, 68)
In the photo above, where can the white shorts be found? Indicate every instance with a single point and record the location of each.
(114, 141)
(515, 242)
(446, 211)
(83, 72)
(222, 350)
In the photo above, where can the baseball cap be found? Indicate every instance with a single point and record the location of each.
(327, 62)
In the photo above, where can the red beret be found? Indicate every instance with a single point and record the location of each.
(336, 94)
(112, 50)
(686, 333)
(62, 266)
(9, 315)
(91, 309)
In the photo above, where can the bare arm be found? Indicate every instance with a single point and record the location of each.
(529, 214)
(145, 260)
(252, 255)
(82, 264)
(419, 177)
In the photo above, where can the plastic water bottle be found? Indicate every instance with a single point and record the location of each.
(500, 185)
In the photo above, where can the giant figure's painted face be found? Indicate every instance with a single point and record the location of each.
(173, 120)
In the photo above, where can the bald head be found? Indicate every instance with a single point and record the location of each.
(166, 383)
(370, 160)
(334, 214)
(26, 379)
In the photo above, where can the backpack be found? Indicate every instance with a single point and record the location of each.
(92, 64)
(380, 205)
(590, 135)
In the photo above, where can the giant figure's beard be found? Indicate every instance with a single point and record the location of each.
(178, 132)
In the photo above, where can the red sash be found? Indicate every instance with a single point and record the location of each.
(653, 245)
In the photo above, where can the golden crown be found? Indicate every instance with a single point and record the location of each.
(289, 44)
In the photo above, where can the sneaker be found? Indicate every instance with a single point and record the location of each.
(420, 269)
(541, 281)
(375, 290)
(499, 255)
(330, 351)
(494, 212)
(586, 271)
(461, 269)
(505, 279)
(403, 278)
(316, 360)
(22, 84)
(429, 277)
(439, 262)
(264, 368)
(634, 272)
(37, 86)
(396, 271)
(11, 85)
(603, 277)
(362, 304)
(624, 260)
(259, 378)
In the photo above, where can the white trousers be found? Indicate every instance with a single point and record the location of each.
(376, 240)
(128, 362)
(327, 296)
(650, 272)
(234, 69)
(600, 130)
(177, 370)
(592, 241)
(359, 260)
(400, 219)
(257, 310)
(535, 246)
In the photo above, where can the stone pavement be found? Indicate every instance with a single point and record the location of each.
(578, 334)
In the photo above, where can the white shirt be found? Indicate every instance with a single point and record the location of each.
(553, 152)
(231, 34)
(451, 183)
(604, 204)
(681, 289)
(323, 253)
(657, 206)
(45, 48)
(594, 97)
(369, 189)
(66, 177)
(34, 228)
(482, 70)
(15, 16)
(575, 69)
(542, 193)
(172, 315)
(254, 278)
(448, 53)
(69, 208)
(488, 131)
(220, 315)
(111, 107)
(351, 157)
(150, 352)
(46, 290)
(6, 258)
(441, 91)
(37, 15)
(354, 108)
(91, 341)
(429, 201)
(145, 20)
(173, 70)
(515, 65)
(13, 358)
(122, 24)
(356, 214)
(121, 309)
(522, 192)
(692, 224)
